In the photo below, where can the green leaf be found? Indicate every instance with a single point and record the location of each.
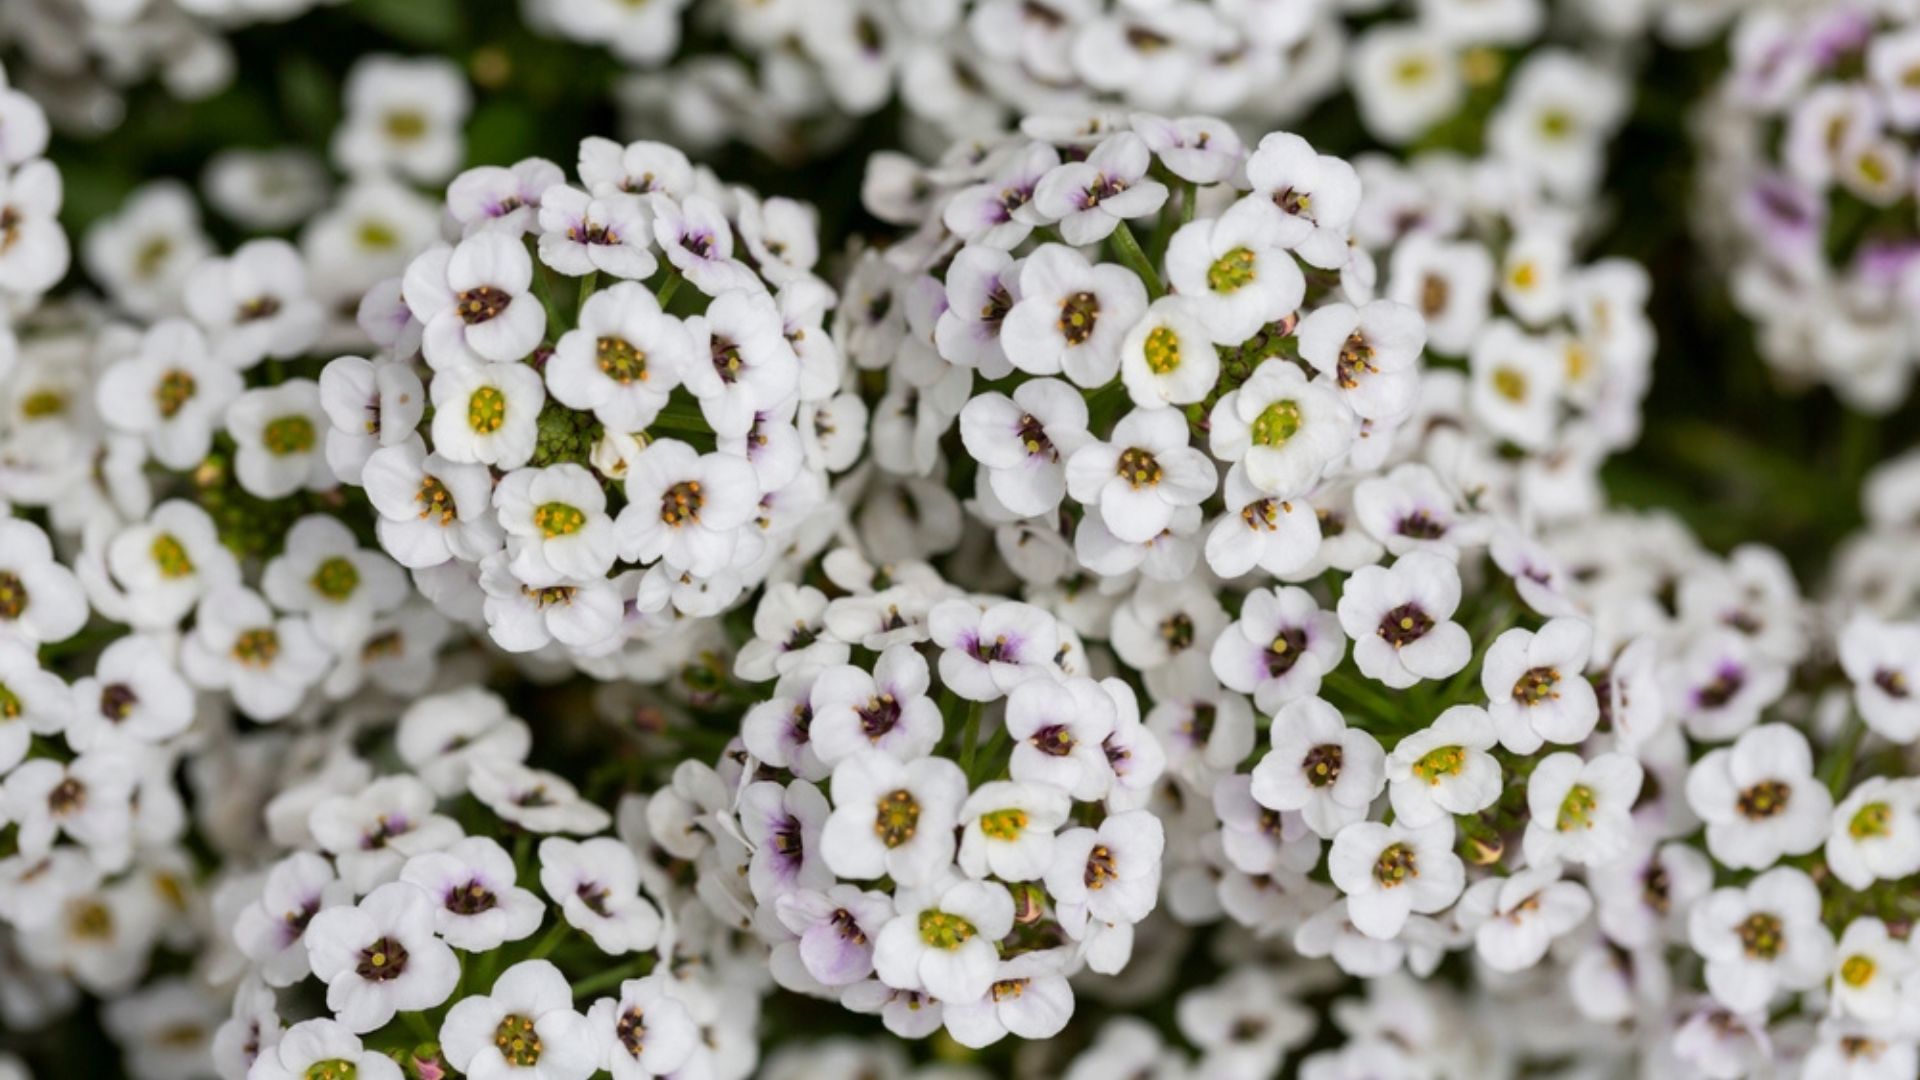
(417, 22)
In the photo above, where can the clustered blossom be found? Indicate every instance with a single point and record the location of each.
(1153, 610)
(1806, 185)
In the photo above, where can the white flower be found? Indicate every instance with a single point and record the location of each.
(164, 565)
(1168, 358)
(582, 234)
(537, 801)
(322, 1047)
(887, 709)
(782, 235)
(1142, 476)
(1202, 149)
(685, 509)
(1883, 660)
(1515, 919)
(431, 509)
(1072, 316)
(694, 234)
(403, 116)
(171, 393)
(1279, 536)
(381, 956)
(1581, 811)
(1091, 198)
(782, 825)
(739, 363)
(36, 702)
(622, 360)
(1279, 648)
(1643, 900)
(1759, 798)
(1029, 998)
(997, 212)
(986, 653)
(1025, 440)
(88, 799)
(372, 832)
(254, 303)
(1319, 767)
(524, 1027)
(1875, 833)
(1310, 198)
(556, 524)
(1557, 114)
(239, 645)
(441, 736)
(142, 254)
(487, 414)
(638, 168)
(1400, 620)
(1282, 430)
(1059, 731)
(1536, 687)
(1762, 939)
(1516, 385)
(1870, 967)
(836, 929)
(1444, 768)
(1371, 353)
(1007, 830)
(479, 907)
(1234, 272)
(943, 939)
(1391, 871)
(135, 694)
(1719, 684)
(1405, 80)
(1412, 509)
(276, 432)
(586, 617)
(340, 587)
(475, 301)
(597, 885)
(370, 405)
(982, 284)
(271, 931)
(893, 818)
(789, 633)
(1449, 282)
(646, 1031)
(1105, 880)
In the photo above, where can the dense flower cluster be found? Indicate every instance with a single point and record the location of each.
(1807, 186)
(1141, 601)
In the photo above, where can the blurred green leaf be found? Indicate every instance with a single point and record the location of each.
(433, 23)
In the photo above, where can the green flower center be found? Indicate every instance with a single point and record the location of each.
(377, 235)
(1760, 935)
(558, 519)
(1444, 761)
(405, 125)
(1163, 350)
(1576, 810)
(518, 1042)
(1510, 384)
(1004, 824)
(486, 410)
(13, 596)
(288, 435)
(332, 1069)
(1870, 820)
(257, 647)
(620, 360)
(896, 818)
(943, 931)
(1231, 272)
(1394, 866)
(336, 578)
(175, 390)
(170, 555)
(1277, 423)
(10, 707)
(1858, 970)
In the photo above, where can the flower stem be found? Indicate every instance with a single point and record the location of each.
(608, 978)
(551, 940)
(668, 287)
(587, 285)
(1128, 248)
(969, 737)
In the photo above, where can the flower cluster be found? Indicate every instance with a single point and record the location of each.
(634, 403)
(1807, 189)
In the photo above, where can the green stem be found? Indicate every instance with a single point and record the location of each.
(1128, 249)
(551, 940)
(990, 758)
(418, 1022)
(969, 737)
(611, 977)
(587, 285)
(668, 287)
(1839, 767)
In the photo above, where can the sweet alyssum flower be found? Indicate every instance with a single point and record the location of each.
(266, 661)
(1072, 316)
(171, 392)
(1319, 767)
(1581, 811)
(887, 709)
(1515, 919)
(372, 832)
(1444, 768)
(1234, 272)
(135, 695)
(1091, 198)
(942, 938)
(1141, 474)
(524, 1026)
(254, 304)
(687, 510)
(1762, 939)
(1875, 832)
(1024, 441)
(381, 956)
(1399, 620)
(1536, 688)
(596, 883)
(278, 435)
(1280, 430)
(1060, 731)
(893, 818)
(487, 414)
(1759, 798)
(322, 1047)
(1280, 648)
(646, 1031)
(474, 301)
(1389, 872)
(622, 360)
